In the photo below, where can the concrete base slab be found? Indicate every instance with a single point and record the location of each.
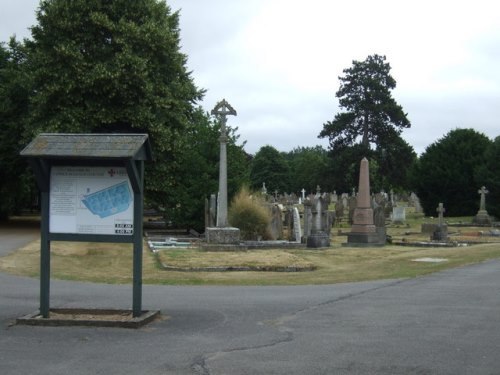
(318, 240)
(226, 235)
(90, 318)
(363, 240)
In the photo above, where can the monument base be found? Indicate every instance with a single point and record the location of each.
(358, 239)
(223, 236)
(440, 234)
(482, 218)
(318, 240)
(430, 228)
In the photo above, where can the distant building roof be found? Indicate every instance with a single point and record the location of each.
(89, 146)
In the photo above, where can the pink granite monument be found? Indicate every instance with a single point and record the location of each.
(363, 230)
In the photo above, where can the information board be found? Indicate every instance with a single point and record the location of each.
(91, 200)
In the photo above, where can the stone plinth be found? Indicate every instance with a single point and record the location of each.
(482, 218)
(318, 240)
(223, 236)
(363, 240)
(429, 228)
(440, 234)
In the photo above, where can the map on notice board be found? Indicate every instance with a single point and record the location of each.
(91, 200)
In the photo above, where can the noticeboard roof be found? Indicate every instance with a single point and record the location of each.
(89, 146)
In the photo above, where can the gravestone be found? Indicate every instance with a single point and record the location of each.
(363, 231)
(441, 232)
(339, 210)
(398, 215)
(482, 216)
(319, 236)
(212, 212)
(297, 231)
(276, 225)
(353, 201)
(378, 204)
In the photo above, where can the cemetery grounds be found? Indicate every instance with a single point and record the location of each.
(112, 263)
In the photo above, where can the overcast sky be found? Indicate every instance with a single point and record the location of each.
(277, 62)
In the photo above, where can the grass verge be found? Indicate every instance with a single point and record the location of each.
(112, 263)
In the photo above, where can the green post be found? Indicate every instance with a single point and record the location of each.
(45, 257)
(137, 272)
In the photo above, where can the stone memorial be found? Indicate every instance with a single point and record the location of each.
(276, 225)
(363, 231)
(441, 232)
(223, 234)
(297, 230)
(398, 215)
(320, 224)
(482, 217)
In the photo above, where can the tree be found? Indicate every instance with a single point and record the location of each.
(16, 185)
(116, 66)
(198, 174)
(371, 111)
(370, 127)
(308, 166)
(269, 166)
(394, 161)
(488, 174)
(447, 172)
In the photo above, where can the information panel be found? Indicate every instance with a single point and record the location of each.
(91, 200)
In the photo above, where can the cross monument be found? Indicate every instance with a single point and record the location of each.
(221, 110)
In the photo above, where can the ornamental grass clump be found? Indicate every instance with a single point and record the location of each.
(247, 212)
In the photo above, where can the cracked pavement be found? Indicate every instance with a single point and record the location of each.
(445, 323)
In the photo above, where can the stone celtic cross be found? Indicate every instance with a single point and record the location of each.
(222, 109)
(440, 210)
(482, 202)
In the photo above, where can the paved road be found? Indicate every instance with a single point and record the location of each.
(446, 323)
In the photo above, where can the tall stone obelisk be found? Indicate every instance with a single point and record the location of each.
(363, 230)
(223, 234)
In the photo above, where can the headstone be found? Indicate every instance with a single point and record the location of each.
(276, 225)
(303, 191)
(319, 237)
(379, 202)
(264, 189)
(363, 231)
(482, 216)
(212, 209)
(339, 210)
(307, 218)
(334, 197)
(297, 231)
(398, 214)
(353, 201)
(441, 232)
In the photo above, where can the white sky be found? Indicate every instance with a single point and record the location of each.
(277, 62)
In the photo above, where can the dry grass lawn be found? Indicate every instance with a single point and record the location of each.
(112, 263)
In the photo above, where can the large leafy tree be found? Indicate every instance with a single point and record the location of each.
(370, 125)
(15, 187)
(116, 66)
(198, 177)
(308, 167)
(371, 113)
(447, 172)
(270, 166)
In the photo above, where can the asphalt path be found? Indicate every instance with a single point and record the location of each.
(445, 323)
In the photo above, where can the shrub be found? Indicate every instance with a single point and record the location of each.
(249, 215)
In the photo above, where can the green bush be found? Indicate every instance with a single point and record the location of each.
(249, 215)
